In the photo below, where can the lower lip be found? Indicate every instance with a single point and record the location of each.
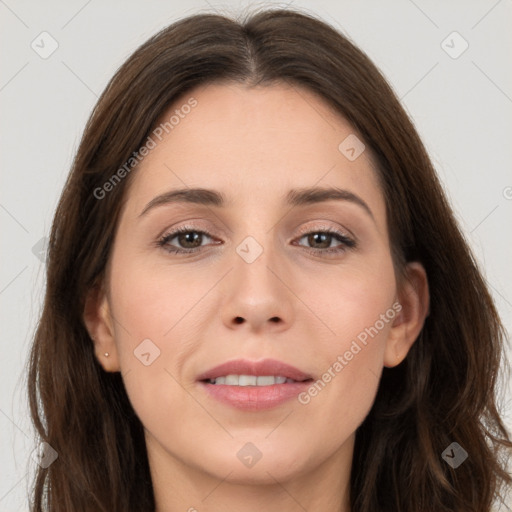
(255, 398)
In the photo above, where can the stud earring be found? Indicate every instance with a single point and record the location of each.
(106, 354)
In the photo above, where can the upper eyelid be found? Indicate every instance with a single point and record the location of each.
(326, 227)
(323, 225)
(303, 231)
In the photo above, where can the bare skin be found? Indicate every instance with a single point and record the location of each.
(297, 303)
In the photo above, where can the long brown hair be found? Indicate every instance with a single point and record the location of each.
(444, 392)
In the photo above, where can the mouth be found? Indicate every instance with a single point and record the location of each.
(252, 380)
(254, 385)
(241, 372)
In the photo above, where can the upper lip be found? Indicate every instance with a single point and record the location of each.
(257, 368)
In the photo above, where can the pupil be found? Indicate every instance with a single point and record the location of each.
(313, 239)
(189, 238)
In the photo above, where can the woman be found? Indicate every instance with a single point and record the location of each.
(257, 294)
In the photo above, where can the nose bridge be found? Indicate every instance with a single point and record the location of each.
(257, 259)
(256, 248)
(255, 291)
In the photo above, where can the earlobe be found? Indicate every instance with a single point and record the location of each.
(414, 300)
(99, 324)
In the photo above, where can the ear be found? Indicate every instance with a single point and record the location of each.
(99, 323)
(414, 298)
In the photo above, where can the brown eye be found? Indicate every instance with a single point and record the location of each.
(323, 239)
(190, 239)
(185, 240)
(320, 241)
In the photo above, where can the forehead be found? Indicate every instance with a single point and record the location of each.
(254, 145)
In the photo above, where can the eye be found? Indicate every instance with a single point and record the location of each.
(189, 240)
(323, 239)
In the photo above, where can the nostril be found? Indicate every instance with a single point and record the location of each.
(239, 319)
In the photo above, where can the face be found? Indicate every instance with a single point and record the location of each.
(260, 275)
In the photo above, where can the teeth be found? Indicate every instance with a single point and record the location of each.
(231, 380)
(247, 380)
(266, 381)
(250, 380)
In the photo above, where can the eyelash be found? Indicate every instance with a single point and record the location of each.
(346, 242)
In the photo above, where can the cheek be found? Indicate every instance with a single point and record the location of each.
(147, 307)
(147, 301)
(352, 301)
(339, 400)
(157, 325)
(359, 309)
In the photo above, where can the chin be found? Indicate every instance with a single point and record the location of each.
(242, 461)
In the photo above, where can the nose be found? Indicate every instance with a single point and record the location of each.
(258, 293)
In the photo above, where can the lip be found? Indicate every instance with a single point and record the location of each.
(257, 368)
(255, 398)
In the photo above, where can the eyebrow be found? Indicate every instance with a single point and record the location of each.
(295, 197)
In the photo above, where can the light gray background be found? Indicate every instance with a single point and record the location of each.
(461, 107)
